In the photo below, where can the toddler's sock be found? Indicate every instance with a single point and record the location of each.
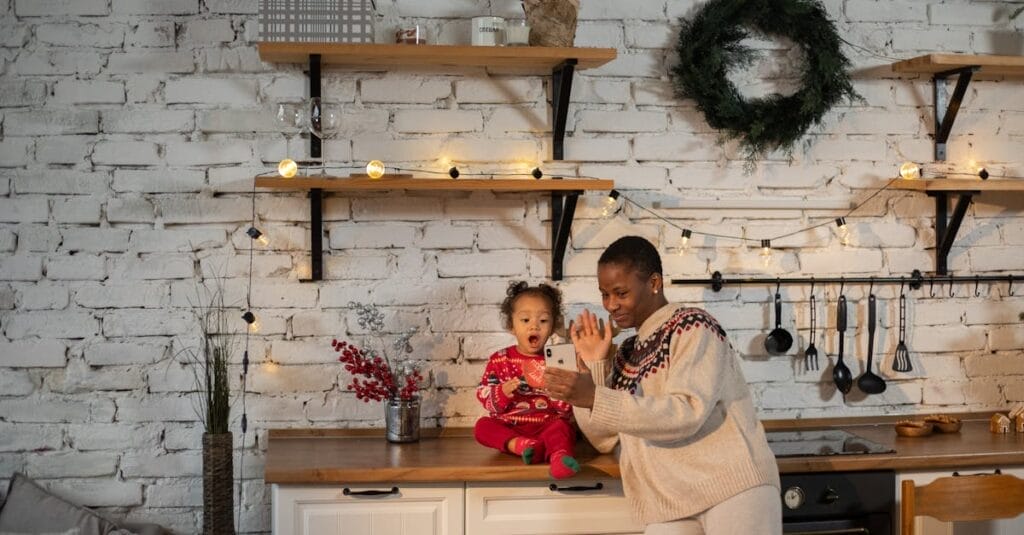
(563, 465)
(529, 449)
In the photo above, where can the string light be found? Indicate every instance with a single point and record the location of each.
(260, 237)
(537, 173)
(844, 231)
(983, 173)
(766, 252)
(287, 168)
(249, 317)
(684, 241)
(453, 172)
(910, 171)
(375, 169)
(611, 204)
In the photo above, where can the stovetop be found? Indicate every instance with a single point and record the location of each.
(821, 442)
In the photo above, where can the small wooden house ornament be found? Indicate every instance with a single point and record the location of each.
(999, 423)
(1017, 415)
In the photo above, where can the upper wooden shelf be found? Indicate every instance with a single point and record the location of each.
(933, 63)
(959, 184)
(434, 184)
(376, 55)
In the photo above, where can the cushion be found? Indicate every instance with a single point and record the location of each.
(30, 508)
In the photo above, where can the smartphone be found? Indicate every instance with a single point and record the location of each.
(560, 356)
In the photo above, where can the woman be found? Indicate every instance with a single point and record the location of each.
(693, 455)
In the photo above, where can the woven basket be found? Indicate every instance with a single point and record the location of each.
(218, 484)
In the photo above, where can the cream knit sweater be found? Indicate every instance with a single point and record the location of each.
(675, 400)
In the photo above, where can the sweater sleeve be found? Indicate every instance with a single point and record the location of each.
(698, 360)
(490, 395)
(602, 437)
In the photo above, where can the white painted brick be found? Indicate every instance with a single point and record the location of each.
(210, 91)
(232, 121)
(77, 267)
(263, 265)
(437, 121)
(878, 234)
(130, 211)
(943, 339)
(125, 153)
(959, 14)
(24, 210)
(139, 322)
(889, 12)
(617, 11)
(209, 31)
(199, 153)
(8, 240)
(171, 465)
(62, 181)
(71, 464)
(443, 235)
(27, 437)
(151, 62)
(302, 352)
(483, 207)
(165, 7)
(843, 261)
(274, 379)
(43, 297)
(179, 493)
(316, 323)
(996, 258)
(136, 294)
(16, 152)
(232, 60)
(186, 211)
(94, 240)
(283, 295)
(21, 93)
(153, 267)
(115, 436)
(399, 150)
(155, 408)
(56, 410)
(42, 123)
(58, 62)
(674, 148)
(505, 120)
(381, 236)
(16, 383)
(499, 263)
(988, 312)
(11, 35)
(498, 91)
(599, 34)
(158, 181)
(403, 89)
(531, 235)
(150, 33)
(122, 353)
(21, 268)
(1008, 338)
(70, 150)
(656, 35)
(88, 92)
(63, 324)
(99, 493)
(42, 353)
(784, 397)
(597, 149)
(395, 209)
(38, 8)
(930, 40)
(244, 7)
(599, 91)
(994, 365)
(986, 392)
(640, 64)
(146, 120)
(622, 121)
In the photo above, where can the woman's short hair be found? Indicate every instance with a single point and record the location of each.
(635, 253)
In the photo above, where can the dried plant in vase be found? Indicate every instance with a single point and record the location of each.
(552, 22)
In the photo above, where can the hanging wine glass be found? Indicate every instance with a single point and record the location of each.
(315, 108)
(288, 118)
(330, 123)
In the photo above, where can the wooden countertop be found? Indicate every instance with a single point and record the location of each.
(312, 456)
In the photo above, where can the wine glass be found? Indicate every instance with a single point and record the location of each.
(324, 122)
(288, 118)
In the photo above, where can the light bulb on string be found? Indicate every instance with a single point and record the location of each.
(983, 173)
(537, 173)
(684, 241)
(453, 172)
(249, 317)
(766, 252)
(910, 171)
(287, 168)
(375, 169)
(611, 204)
(260, 237)
(844, 231)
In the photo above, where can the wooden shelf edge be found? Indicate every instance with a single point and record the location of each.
(376, 55)
(435, 184)
(959, 184)
(933, 63)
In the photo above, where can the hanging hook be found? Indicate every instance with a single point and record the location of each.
(778, 284)
(951, 289)
(901, 285)
(1010, 286)
(871, 286)
(931, 286)
(842, 282)
(977, 280)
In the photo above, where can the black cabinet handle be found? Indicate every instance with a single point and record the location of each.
(555, 488)
(350, 492)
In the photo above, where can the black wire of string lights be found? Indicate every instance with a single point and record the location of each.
(249, 318)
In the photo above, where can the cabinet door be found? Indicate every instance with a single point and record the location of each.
(403, 509)
(530, 508)
(929, 526)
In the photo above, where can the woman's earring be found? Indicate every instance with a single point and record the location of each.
(655, 292)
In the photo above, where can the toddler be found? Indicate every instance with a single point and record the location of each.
(522, 419)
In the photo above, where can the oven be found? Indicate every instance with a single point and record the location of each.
(834, 503)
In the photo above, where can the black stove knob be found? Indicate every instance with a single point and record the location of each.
(793, 497)
(829, 497)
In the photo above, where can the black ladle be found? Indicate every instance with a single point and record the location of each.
(841, 375)
(869, 383)
(779, 340)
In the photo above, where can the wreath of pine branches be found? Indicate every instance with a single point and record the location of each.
(710, 46)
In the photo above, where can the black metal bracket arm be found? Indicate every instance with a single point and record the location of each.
(316, 196)
(946, 107)
(561, 91)
(563, 207)
(946, 227)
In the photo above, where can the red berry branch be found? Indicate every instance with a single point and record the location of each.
(380, 381)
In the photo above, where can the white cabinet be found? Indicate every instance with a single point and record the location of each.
(575, 506)
(406, 509)
(930, 526)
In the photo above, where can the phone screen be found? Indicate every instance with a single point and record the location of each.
(560, 356)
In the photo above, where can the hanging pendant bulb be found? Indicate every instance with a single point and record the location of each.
(766, 253)
(983, 173)
(684, 242)
(287, 168)
(910, 171)
(453, 172)
(260, 237)
(537, 173)
(611, 205)
(844, 231)
(375, 169)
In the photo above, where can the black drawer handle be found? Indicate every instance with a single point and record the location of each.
(556, 488)
(350, 492)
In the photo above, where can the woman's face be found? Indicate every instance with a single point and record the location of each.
(627, 297)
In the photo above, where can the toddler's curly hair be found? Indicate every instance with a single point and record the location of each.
(517, 289)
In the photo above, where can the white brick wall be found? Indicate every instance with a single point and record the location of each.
(130, 131)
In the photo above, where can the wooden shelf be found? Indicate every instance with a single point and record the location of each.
(936, 63)
(959, 185)
(343, 184)
(378, 55)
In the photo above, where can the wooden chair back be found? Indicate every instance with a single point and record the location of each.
(965, 498)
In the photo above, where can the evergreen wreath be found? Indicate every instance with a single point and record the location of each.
(710, 46)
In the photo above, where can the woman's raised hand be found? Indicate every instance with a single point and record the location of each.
(592, 337)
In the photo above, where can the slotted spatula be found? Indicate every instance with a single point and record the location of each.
(902, 361)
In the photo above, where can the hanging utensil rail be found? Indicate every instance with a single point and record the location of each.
(915, 280)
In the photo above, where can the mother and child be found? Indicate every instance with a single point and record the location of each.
(671, 400)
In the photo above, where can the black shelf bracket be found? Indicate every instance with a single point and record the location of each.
(316, 195)
(946, 227)
(563, 206)
(947, 107)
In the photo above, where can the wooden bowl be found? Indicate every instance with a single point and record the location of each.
(944, 424)
(914, 428)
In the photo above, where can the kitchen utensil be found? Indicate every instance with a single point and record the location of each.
(841, 375)
(779, 340)
(902, 361)
(914, 428)
(811, 354)
(869, 383)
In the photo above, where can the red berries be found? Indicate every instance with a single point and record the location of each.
(380, 382)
